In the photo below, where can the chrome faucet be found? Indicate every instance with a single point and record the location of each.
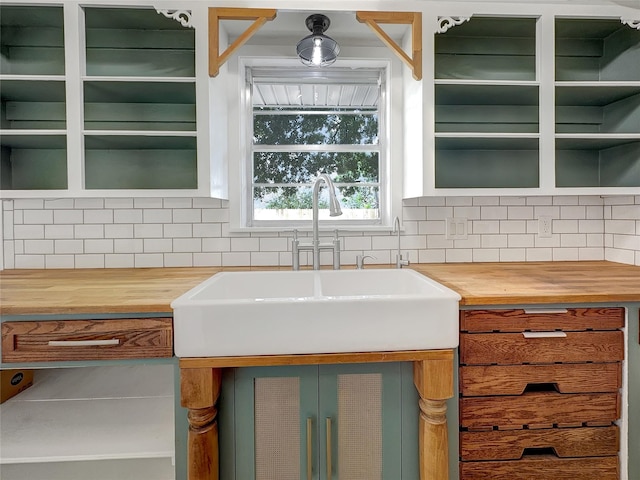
(316, 246)
(396, 229)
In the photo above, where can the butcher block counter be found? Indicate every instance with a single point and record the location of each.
(152, 289)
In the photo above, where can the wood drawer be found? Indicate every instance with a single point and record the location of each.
(515, 348)
(539, 410)
(52, 340)
(565, 443)
(562, 377)
(543, 467)
(518, 320)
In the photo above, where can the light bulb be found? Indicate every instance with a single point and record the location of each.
(316, 56)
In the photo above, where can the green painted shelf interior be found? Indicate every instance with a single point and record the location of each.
(137, 42)
(31, 40)
(487, 105)
(488, 48)
(139, 101)
(33, 148)
(597, 103)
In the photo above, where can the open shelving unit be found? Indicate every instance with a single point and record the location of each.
(91, 422)
(33, 146)
(487, 105)
(139, 101)
(597, 93)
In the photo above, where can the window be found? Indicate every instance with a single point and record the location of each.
(302, 122)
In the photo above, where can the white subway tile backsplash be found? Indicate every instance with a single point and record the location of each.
(125, 232)
(119, 260)
(177, 203)
(59, 261)
(178, 230)
(148, 260)
(247, 244)
(184, 215)
(38, 246)
(118, 231)
(207, 259)
(68, 217)
(99, 216)
(54, 203)
(98, 246)
(21, 232)
(157, 245)
(68, 246)
(127, 215)
(128, 245)
(178, 259)
(29, 261)
(157, 215)
(93, 203)
(85, 231)
(183, 245)
(118, 203)
(148, 230)
(147, 203)
(89, 261)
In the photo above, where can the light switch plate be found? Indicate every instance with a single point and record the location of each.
(457, 228)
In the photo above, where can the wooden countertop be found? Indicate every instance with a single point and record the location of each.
(129, 290)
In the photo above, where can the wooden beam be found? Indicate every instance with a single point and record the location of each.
(374, 19)
(260, 16)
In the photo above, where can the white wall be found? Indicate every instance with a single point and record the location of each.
(156, 232)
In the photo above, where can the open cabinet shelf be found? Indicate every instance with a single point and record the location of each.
(91, 422)
(597, 95)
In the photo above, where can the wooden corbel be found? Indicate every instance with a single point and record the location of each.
(260, 17)
(373, 19)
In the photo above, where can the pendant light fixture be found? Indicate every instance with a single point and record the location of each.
(317, 49)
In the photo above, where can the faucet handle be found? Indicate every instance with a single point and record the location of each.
(360, 260)
(400, 262)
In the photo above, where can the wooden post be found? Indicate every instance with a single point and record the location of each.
(434, 381)
(199, 392)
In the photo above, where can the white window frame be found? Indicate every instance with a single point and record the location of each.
(240, 169)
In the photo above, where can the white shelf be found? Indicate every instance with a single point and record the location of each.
(91, 413)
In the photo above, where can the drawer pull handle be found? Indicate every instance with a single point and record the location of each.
(82, 343)
(545, 310)
(544, 334)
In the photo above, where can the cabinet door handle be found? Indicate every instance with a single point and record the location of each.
(309, 449)
(82, 343)
(544, 334)
(329, 467)
(545, 310)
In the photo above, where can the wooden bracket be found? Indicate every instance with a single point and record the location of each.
(373, 19)
(260, 17)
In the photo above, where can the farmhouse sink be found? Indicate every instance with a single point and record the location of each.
(319, 311)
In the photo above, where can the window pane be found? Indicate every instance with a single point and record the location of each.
(295, 203)
(303, 167)
(358, 128)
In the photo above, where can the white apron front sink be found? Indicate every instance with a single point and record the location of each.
(326, 311)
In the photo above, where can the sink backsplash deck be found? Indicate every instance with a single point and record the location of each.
(171, 232)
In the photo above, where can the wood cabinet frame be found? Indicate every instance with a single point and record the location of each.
(201, 380)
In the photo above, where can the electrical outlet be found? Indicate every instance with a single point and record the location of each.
(456, 228)
(544, 227)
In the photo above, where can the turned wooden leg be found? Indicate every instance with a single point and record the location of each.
(199, 392)
(434, 381)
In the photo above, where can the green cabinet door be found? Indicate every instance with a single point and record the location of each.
(340, 422)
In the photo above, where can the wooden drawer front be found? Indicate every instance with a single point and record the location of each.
(514, 348)
(563, 377)
(572, 319)
(565, 443)
(539, 410)
(53, 340)
(543, 467)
